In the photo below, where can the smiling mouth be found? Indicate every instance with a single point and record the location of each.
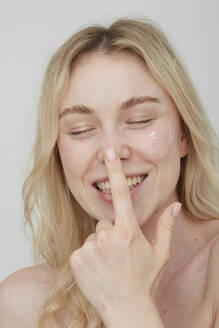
(133, 182)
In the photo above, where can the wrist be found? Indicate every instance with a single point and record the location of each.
(137, 315)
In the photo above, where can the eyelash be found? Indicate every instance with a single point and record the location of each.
(84, 131)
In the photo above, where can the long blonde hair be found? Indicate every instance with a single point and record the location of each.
(50, 209)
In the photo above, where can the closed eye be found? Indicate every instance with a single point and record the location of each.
(85, 131)
(80, 132)
(139, 122)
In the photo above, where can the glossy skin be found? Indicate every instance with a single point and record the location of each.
(155, 147)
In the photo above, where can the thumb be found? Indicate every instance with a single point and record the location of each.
(164, 231)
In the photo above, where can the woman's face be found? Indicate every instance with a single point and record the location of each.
(114, 101)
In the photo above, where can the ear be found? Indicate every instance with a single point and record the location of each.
(184, 146)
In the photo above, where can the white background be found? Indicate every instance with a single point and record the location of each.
(30, 31)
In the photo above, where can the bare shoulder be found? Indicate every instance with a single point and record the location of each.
(22, 295)
(213, 259)
(213, 278)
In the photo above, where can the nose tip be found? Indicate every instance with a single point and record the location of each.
(114, 139)
(122, 152)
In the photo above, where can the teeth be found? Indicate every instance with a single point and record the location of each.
(106, 187)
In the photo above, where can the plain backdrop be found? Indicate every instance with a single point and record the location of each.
(30, 31)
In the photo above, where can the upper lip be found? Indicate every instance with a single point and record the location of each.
(127, 176)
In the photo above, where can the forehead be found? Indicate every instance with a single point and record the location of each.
(115, 66)
(98, 79)
(93, 56)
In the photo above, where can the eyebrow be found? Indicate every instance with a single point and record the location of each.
(125, 105)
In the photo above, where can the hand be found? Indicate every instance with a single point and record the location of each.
(117, 265)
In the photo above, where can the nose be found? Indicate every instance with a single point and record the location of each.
(114, 139)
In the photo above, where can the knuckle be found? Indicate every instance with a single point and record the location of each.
(76, 253)
(169, 227)
(75, 257)
(120, 193)
(122, 189)
(91, 237)
(104, 244)
(102, 236)
(127, 233)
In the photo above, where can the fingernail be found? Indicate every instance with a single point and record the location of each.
(177, 209)
(110, 154)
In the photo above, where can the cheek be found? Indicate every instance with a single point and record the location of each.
(157, 141)
(73, 159)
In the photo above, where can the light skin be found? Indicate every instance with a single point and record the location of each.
(126, 226)
(139, 229)
(105, 266)
(82, 155)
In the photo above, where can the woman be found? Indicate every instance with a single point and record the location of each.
(124, 187)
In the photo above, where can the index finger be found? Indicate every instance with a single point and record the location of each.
(121, 197)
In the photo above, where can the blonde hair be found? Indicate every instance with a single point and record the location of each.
(50, 209)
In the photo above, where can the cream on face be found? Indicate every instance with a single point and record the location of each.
(158, 138)
(155, 139)
(146, 136)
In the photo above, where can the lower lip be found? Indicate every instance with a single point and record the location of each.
(108, 197)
